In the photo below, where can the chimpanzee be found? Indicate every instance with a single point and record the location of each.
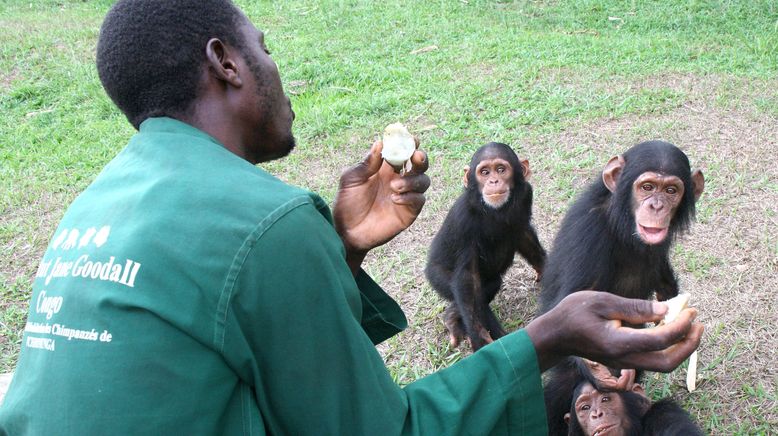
(630, 413)
(616, 237)
(476, 244)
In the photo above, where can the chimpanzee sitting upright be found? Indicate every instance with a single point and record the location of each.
(617, 235)
(482, 232)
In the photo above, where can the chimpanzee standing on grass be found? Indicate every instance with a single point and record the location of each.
(616, 238)
(482, 232)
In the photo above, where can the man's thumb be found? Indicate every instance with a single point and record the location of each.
(634, 311)
(362, 171)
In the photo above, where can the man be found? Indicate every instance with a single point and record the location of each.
(187, 291)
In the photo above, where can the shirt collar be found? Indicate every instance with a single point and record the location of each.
(172, 125)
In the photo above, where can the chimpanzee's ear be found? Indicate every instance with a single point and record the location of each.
(698, 184)
(567, 418)
(525, 170)
(467, 176)
(612, 172)
(638, 389)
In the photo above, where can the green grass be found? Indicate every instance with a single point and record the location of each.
(519, 72)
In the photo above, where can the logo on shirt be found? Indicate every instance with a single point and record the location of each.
(108, 269)
(69, 238)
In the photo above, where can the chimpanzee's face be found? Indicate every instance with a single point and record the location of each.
(495, 180)
(655, 200)
(601, 413)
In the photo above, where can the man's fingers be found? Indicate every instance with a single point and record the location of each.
(656, 338)
(419, 162)
(410, 183)
(362, 171)
(632, 311)
(414, 200)
(373, 160)
(668, 359)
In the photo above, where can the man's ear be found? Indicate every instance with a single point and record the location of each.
(612, 172)
(467, 176)
(698, 184)
(221, 63)
(525, 169)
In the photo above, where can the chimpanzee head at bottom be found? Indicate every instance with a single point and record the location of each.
(631, 413)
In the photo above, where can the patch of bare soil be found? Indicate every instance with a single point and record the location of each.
(728, 262)
(6, 79)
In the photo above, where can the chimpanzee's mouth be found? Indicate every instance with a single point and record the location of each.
(495, 199)
(652, 235)
(600, 431)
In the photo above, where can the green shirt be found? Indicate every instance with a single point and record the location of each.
(187, 291)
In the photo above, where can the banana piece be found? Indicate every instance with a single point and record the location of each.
(676, 305)
(691, 373)
(399, 145)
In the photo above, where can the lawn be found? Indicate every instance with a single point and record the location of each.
(567, 83)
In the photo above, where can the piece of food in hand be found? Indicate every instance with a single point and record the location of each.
(691, 373)
(399, 145)
(675, 306)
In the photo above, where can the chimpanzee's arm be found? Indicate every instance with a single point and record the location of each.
(529, 246)
(531, 250)
(668, 287)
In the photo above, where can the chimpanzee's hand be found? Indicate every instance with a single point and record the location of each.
(589, 324)
(374, 203)
(607, 381)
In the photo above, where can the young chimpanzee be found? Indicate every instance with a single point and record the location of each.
(630, 413)
(620, 404)
(616, 238)
(617, 235)
(482, 232)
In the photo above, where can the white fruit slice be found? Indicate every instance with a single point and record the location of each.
(691, 373)
(676, 305)
(398, 145)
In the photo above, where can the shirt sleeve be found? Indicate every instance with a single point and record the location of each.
(292, 332)
(382, 317)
